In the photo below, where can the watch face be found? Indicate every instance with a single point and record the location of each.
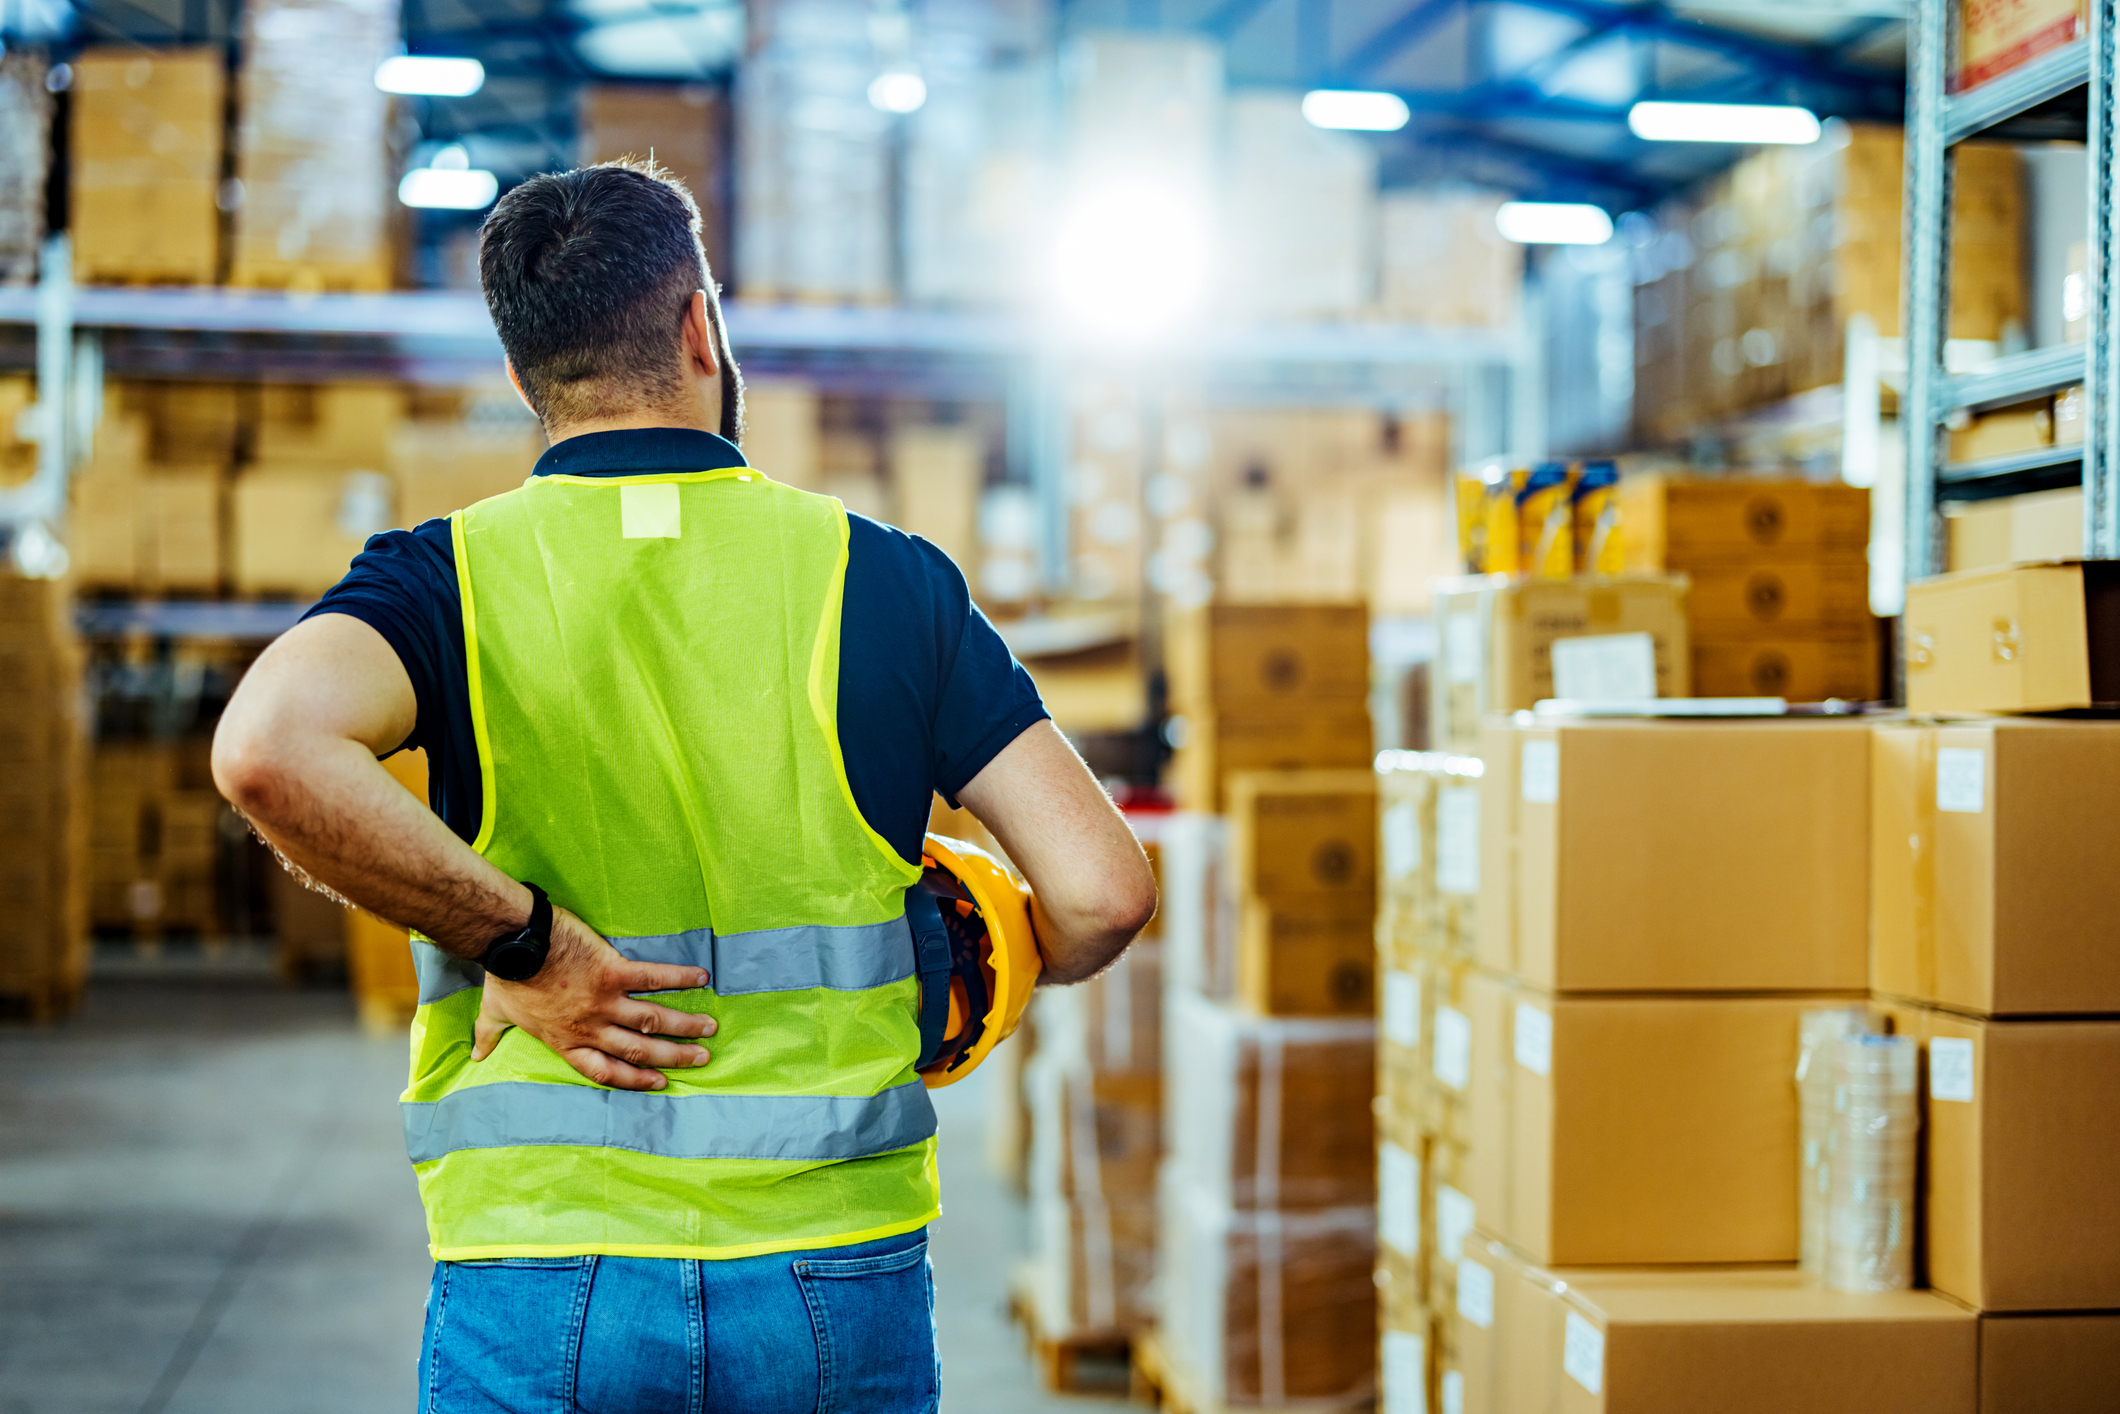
(515, 959)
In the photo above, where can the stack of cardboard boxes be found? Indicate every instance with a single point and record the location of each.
(1660, 903)
(1590, 1127)
(43, 826)
(150, 503)
(146, 153)
(155, 839)
(1266, 1226)
(25, 160)
(1266, 687)
(1095, 1092)
(1779, 598)
(1750, 288)
(314, 208)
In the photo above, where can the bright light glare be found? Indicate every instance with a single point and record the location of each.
(898, 92)
(1131, 259)
(430, 77)
(1355, 109)
(1553, 223)
(449, 189)
(1722, 122)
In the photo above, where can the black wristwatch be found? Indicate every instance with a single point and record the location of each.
(516, 956)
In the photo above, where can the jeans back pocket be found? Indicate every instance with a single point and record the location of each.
(875, 1322)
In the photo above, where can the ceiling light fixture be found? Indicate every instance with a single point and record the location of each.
(426, 76)
(1723, 122)
(899, 91)
(1355, 109)
(1553, 223)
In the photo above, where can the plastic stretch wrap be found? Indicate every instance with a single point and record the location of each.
(1199, 906)
(25, 152)
(1870, 1193)
(1269, 1309)
(1096, 1138)
(1271, 1112)
(1818, 1032)
(312, 152)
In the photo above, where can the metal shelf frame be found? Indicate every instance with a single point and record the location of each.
(1935, 121)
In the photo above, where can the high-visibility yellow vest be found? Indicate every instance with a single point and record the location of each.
(654, 668)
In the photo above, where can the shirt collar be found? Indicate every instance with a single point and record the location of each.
(637, 450)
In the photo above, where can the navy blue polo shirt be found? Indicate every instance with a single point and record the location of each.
(928, 692)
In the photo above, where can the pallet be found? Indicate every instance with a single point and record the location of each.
(1160, 1382)
(1068, 1364)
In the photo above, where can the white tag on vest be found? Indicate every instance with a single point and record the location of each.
(650, 512)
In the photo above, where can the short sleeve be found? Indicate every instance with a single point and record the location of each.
(987, 700)
(403, 585)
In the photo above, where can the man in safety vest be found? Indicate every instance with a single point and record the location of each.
(683, 724)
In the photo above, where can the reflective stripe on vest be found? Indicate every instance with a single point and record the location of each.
(845, 959)
(653, 664)
(804, 1127)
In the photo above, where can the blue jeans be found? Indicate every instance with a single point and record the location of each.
(837, 1330)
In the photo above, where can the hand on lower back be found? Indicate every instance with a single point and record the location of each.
(580, 1004)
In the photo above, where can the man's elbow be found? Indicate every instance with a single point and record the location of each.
(1129, 907)
(249, 771)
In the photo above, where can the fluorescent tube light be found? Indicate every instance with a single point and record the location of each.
(898, 92)
(1553, 223)
(1355, 109)
(449, 189)
(430, 77)
(1723, 122)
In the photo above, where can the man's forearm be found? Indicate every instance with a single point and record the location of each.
(331, 808)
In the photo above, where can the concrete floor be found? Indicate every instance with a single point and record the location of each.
(205, 1209)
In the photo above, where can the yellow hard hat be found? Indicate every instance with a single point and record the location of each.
(984, 916)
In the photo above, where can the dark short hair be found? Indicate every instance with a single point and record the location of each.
(587, 274)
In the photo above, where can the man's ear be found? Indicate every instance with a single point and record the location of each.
(699, 337)
(517, 384)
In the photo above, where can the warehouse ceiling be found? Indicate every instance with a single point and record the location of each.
(1524, 96)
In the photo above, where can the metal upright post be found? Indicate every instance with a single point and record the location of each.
(2101, 443)
(1925, 277)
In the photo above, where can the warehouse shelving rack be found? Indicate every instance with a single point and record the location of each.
(2034, 100)
(1489, 378)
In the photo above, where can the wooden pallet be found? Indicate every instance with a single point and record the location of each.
(1069, 1364)
(1162, 1383)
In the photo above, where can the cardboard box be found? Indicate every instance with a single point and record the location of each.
(1991, 859)
(1307, 962)
(1335, 735)
(1634, 1130)
(1840, 664)
(1995, 36)
(2027, 638)
(296, 531)
(1801, 596)
(2046, 525)
(1305, 840)
(2049, 1364)
(1227, 658)
(1676, 856)
(2003, 432)
(444, 467)
(1272, 1112)
(1494, 641)
(1738, 1341)
(1680, 523)
(1094, 1269)
(2018, 1149)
